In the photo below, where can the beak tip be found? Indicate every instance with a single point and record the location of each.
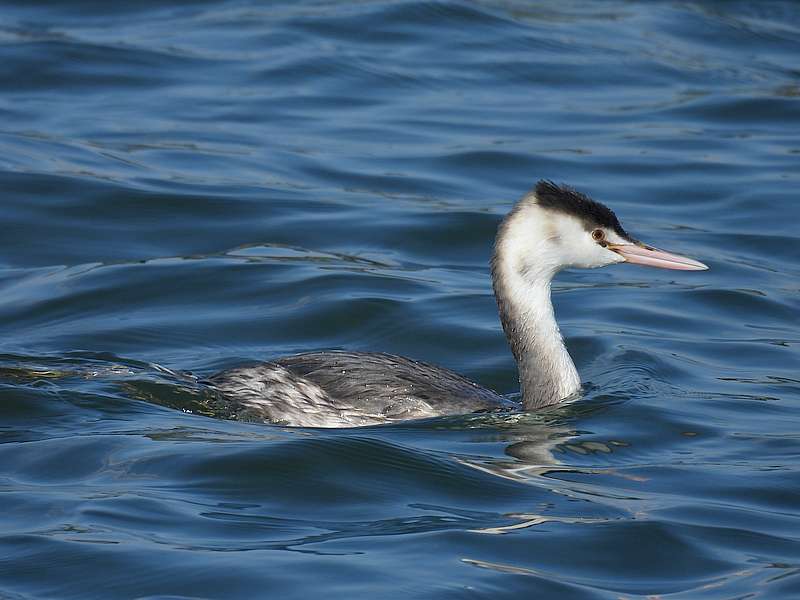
(698, 266)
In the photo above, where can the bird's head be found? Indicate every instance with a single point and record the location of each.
(555, 227)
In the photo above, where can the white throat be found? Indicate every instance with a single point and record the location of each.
(522, 273)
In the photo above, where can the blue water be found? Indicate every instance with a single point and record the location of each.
(189, 187)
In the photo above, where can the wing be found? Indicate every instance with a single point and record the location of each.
(392, 385)
(347, 389)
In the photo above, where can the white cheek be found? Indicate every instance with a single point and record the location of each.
(581, 250)
(597, 256)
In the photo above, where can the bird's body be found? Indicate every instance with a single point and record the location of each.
(349, 389)
(549, 229)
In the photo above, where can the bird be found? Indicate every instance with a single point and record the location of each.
(552, 227)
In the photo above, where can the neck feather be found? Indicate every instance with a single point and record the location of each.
(546, 371)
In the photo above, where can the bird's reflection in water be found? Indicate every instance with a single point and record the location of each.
(543, 450)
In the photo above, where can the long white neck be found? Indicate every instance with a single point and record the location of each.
(522, 290)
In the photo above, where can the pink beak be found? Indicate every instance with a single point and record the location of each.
(653, 257)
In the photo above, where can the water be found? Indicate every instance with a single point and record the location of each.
(189, 187)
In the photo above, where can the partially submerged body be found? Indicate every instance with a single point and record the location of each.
(350, 389)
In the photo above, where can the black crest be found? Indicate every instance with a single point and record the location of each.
(566, 200)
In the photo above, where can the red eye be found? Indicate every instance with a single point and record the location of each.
(598, 235)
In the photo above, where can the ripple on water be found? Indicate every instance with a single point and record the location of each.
(191, 187)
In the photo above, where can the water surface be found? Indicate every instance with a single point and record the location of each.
(191, 186)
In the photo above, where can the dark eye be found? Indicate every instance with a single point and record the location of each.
(598, 235)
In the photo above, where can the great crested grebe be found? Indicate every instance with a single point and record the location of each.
(551, 228)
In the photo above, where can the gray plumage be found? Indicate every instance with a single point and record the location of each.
(347, 389)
